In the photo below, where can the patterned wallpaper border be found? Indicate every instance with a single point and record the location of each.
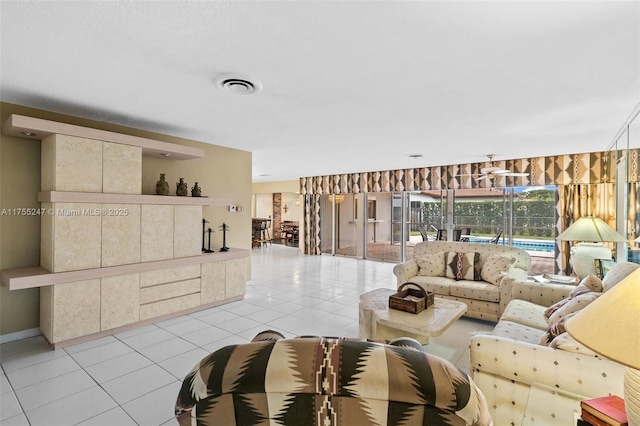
(555, 170)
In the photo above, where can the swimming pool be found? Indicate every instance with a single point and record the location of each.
(546, 246)
(528, 245)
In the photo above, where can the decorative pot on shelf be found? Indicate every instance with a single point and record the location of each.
(182, 190)
(196, 191)
(162, 186)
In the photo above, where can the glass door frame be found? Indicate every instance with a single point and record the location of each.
(402, 200)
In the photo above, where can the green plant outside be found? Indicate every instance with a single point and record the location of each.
(532, 218)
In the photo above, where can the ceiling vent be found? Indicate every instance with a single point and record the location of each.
(238, 84)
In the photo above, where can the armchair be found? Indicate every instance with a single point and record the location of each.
(520, 372)
(328, 381)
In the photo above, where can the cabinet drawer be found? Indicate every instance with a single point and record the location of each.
(163, 307)
(169, 291)
(169, 275)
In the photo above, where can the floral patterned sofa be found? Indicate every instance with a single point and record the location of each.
(481, 277)
(328, 381)
(530, 367)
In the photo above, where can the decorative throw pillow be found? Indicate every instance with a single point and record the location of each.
(496, 267)
(617, 273)
(573, 305)
(546, 339)
(551, 309)
(589, 283)
(555, 330)
(463, 266)
(431, 265)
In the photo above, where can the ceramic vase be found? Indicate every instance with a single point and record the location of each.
(182, 190)
(196, 191)
(162, 186)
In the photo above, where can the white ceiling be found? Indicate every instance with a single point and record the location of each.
(348, 86)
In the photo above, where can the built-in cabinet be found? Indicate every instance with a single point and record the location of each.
(110, 256)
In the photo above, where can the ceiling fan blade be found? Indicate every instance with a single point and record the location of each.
(470, 174)
(499, 172)
(515, 174)
(483, 177)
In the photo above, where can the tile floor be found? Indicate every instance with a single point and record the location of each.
(133, 377)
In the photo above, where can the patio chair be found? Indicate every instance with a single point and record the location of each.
(425, 235)
(442, 234)
(495, 239)
(464, 237)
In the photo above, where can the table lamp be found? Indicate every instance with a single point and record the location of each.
(592, 229)
(590, 232)
(609, 326)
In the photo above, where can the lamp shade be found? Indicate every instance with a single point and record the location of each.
(609, 325)
(591, 229)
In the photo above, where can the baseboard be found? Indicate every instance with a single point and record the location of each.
(19, 335)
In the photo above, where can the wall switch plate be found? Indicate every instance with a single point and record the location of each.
(233, 208)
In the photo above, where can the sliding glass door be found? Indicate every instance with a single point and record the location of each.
(338, 230)
(380, 227)
(386, 226)
(482, 214)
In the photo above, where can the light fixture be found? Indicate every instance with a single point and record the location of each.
(591, 229)
(166, 154)
(492, 167)
(338, 198)
(28, 134)
(590, 232)
(238, 84)
(415, 156)
(609, 326)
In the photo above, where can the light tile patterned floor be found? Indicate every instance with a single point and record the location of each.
(133, 377)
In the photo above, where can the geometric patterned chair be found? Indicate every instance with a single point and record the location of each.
(328, 381)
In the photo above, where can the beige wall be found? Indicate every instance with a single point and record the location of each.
(294, 211)
(223, 172)
(19, 235)
(279, 186)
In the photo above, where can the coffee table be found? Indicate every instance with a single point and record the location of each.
(377, 321)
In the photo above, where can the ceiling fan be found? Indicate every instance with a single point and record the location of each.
(493, 171)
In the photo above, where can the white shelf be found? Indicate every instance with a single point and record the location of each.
(102, 198)
(38, 129)
(37, 276)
